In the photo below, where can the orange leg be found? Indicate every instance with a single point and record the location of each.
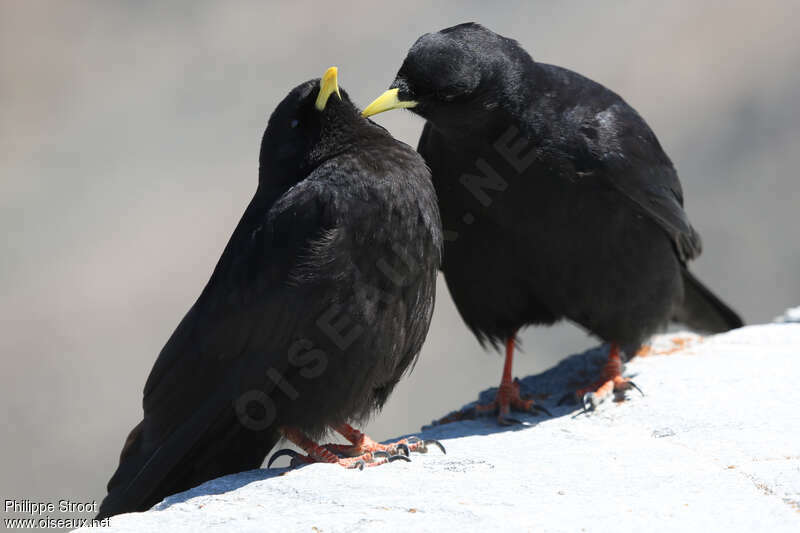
(320, 454)
(363, 452)
(508, 397)
(362, 444)
(611, 381)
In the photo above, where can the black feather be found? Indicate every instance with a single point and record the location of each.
(557, 198)
(320, 302)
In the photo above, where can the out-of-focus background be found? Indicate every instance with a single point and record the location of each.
(129, 136)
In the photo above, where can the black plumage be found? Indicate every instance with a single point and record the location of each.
(557, 199)
(320, 302)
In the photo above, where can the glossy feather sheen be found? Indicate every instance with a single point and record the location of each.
(318, 305)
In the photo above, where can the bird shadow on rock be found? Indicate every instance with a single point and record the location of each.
(548, 389)
(220, 485)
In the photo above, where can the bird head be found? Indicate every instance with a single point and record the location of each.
(448, 72)
(310, 125)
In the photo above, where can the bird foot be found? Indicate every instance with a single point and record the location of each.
(402, 447)
(610, 384)
(594, 395)
(368, 459)
(508, 398)
(322, 454)
(363, 444)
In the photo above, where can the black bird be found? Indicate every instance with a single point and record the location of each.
(318, 305)
(557, 201)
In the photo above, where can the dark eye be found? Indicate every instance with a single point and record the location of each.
(294, 123)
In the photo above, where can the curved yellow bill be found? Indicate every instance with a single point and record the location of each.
(328, 85)
(385, 102)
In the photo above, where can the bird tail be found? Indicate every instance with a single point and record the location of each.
(703, 310)
(147, 473)
(194, 453)
(132, 460)
(210, 443)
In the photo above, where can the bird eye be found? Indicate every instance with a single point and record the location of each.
(295, 122)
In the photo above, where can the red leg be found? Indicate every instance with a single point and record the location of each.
(362, 444)
(508, 397)
(362, 452)
(320, 454)
(611, 381)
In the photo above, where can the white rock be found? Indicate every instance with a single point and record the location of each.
(791, 315)
(713, 446)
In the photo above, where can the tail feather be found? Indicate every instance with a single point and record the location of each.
(703, 310)
(146, 474)
(209, 444)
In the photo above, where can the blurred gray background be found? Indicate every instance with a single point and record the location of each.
(129, 137)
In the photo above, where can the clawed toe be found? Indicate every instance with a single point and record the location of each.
(389, 457)
(508, 399)
(621, 385)
(633, 385)
(614, 388)
(364, 452)
(612, 384)
(590, 402)
(369, 459)
(421, 446)
(297, 458)
(402, 448)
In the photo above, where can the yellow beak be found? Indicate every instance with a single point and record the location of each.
(385, 102)
(328, 85)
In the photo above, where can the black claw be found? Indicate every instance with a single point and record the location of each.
(541, 409)
(435, 443)
(398, 457)
(286, 452)
(632, 384)
(425, 443)
(359, 464)
(588, 402)
(381, 453)
(403, 449)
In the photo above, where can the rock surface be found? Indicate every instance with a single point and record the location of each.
(713, 446)
(791, 315)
